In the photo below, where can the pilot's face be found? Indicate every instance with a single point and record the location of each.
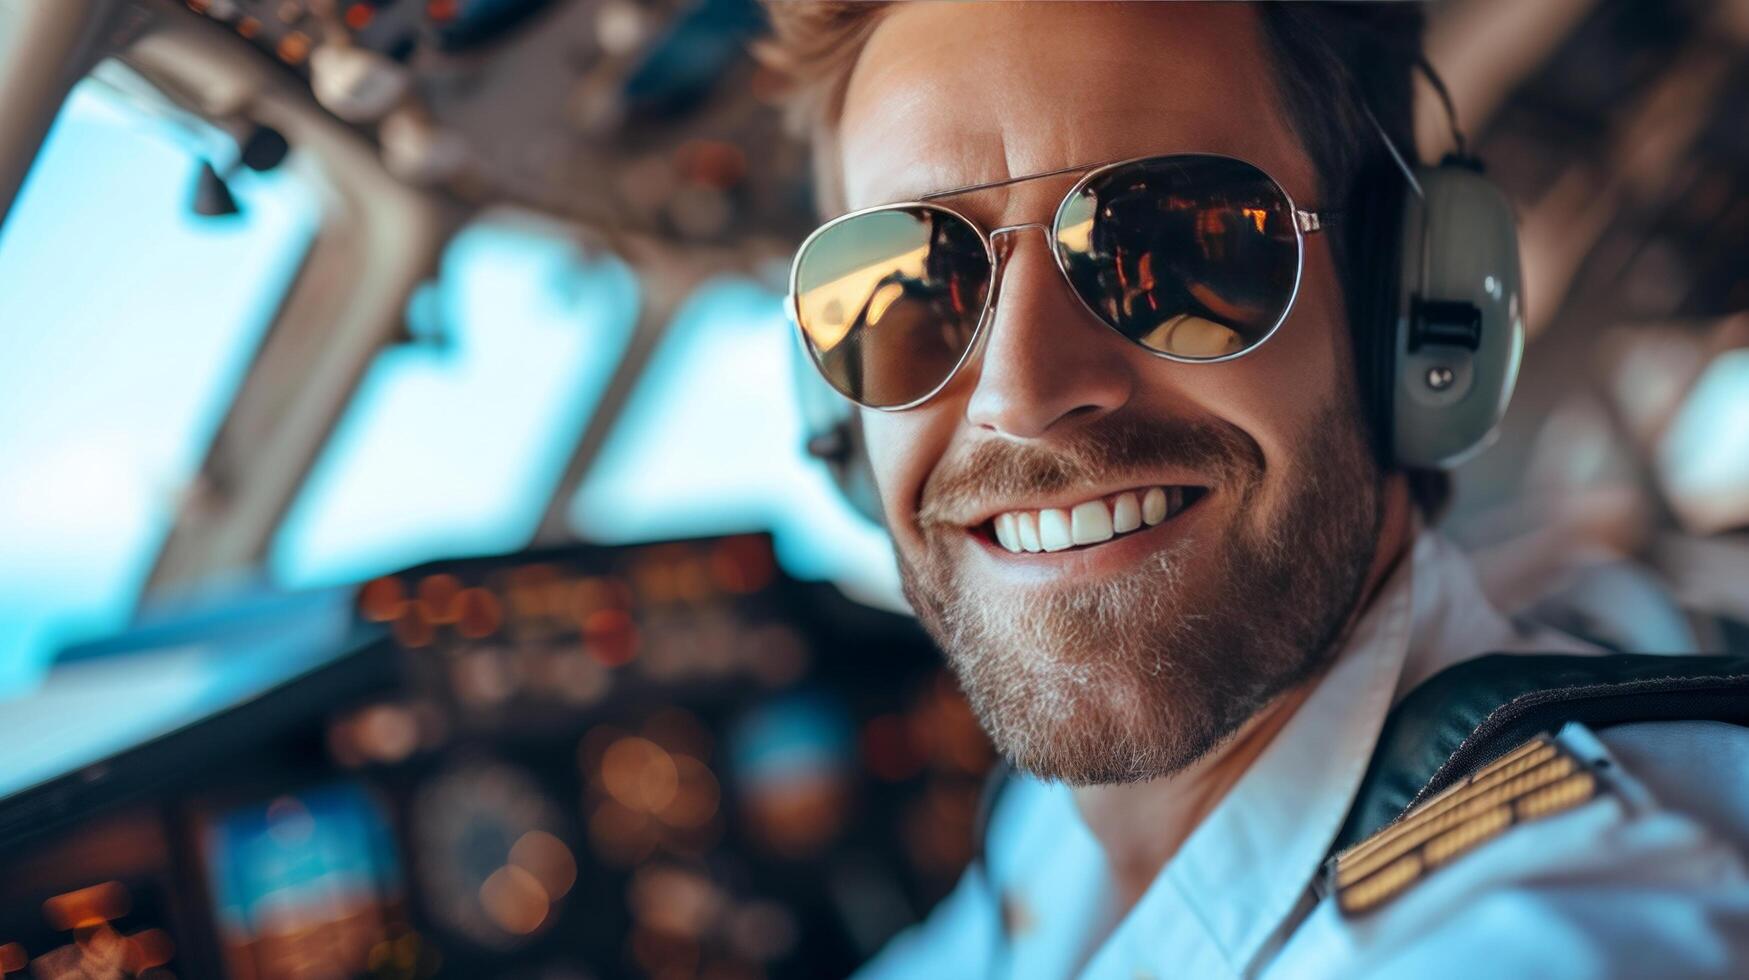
(1130, 657)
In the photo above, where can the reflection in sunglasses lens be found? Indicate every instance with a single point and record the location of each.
(1193, 256)
(888, 301)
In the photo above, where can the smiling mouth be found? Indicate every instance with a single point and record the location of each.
(1089, 523)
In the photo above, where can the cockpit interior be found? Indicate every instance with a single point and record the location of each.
(412, 560)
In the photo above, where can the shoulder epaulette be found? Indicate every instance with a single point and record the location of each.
(1538, 779)
(1474, 712)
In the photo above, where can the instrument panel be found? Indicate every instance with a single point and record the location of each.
(664, 760)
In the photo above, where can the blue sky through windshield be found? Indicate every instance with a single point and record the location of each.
(127, 322)
(453, 448)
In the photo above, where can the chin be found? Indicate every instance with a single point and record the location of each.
(1083, 716)
(1106, 744)
(1100, 684)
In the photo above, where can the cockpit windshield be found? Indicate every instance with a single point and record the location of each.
(453, 441)
(101, 429)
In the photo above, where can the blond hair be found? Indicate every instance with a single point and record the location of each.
(814, 46)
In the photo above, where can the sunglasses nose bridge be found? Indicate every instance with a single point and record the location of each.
(1002, 242)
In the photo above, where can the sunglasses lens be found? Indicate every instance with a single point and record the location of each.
(1193, 256)
(888, 301)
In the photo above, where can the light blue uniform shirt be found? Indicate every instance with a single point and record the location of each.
(1646, 879)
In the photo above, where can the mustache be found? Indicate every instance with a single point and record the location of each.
(959, 485)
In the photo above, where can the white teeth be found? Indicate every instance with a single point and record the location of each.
(1090, 523)
(1153, 506)
(1053, 529)
(1126, 513)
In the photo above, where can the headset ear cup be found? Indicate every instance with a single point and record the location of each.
(832, 434)
(1460, 318)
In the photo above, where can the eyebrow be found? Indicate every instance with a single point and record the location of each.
(968, 188)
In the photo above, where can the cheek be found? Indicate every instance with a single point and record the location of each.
(1278, 391)
(1302, 366)
(903, 449)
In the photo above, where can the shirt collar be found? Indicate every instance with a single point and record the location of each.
(1454, 619)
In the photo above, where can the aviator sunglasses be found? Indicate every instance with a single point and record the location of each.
(1195, 257)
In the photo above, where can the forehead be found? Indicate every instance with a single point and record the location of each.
(946, 95)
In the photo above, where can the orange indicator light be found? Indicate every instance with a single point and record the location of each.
(382, 600)
(480, 613)
(87, 906)
(294, 48)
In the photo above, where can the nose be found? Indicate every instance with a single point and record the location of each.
(1047, 365)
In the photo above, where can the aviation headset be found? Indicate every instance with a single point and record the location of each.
(1435, 381)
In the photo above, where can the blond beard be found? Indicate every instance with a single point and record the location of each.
(1138, 676)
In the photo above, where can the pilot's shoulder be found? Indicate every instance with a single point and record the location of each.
(1477, 710)
(1700, 768)
(1557, 859)
(1460, 764)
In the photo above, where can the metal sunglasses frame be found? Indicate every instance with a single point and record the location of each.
(1305, 222)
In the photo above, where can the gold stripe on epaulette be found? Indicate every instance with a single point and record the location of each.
(1537, 779)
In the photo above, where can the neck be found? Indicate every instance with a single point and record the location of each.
(1141, 825)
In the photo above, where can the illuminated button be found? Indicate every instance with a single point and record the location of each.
(412, 629)
(149, 948)
(87, 906)
(294, 48)
(479, 613)
(437, 597)
(381, 600)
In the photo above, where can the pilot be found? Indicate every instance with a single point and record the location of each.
(1260, 717)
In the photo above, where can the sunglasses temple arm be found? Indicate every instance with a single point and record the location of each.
(1390, 145)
